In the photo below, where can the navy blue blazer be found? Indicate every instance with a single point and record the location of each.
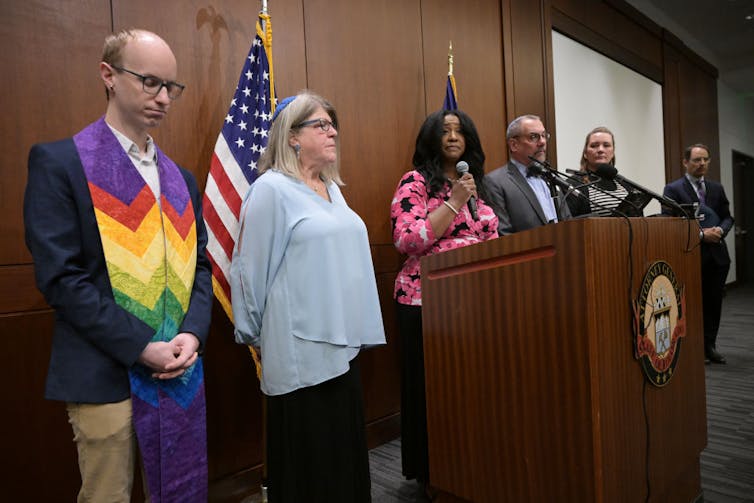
(95, 341)
(682, 192)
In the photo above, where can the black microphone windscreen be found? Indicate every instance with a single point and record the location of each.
(606, 171)
(462, 167)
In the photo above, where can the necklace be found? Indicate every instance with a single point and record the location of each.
(316, 187)
(319, 187)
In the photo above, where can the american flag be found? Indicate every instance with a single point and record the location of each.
(238, 148)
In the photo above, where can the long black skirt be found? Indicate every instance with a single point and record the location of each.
(414, 448)
(316, 443)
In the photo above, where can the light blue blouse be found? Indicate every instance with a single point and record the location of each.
(302, 283)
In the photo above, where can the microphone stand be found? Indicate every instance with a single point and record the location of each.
(549, 173)
(550, 181)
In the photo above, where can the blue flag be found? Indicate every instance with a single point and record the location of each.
(450, 102)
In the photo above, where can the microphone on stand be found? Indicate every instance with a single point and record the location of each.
(609, 172)
(462, 168)
(544, 170)
(578, 183)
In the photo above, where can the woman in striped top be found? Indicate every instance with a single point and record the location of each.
(605, 195)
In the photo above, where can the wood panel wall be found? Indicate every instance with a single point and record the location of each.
(383, 64)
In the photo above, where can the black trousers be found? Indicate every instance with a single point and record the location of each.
(713, 285)
(414, 449)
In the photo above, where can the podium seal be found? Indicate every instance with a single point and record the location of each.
(659, 323)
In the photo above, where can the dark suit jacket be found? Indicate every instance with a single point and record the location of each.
(95, 341)
(682, 192)
(515, 203)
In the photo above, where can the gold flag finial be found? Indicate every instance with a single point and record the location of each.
(450, 58)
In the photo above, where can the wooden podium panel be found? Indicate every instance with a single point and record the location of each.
(533, 390)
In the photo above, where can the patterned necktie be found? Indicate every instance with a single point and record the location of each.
(701, 192)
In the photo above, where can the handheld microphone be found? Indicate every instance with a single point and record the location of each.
(462, 168)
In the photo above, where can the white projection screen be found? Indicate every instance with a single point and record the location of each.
(592, 90)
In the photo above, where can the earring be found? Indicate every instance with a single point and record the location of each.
(297, 148)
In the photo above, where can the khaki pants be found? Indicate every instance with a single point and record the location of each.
(106, 444)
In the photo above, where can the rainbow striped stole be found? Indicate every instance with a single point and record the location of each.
(150, 251)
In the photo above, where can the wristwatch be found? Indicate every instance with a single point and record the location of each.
(701, 235)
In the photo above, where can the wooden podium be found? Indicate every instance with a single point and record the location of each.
(533, 390)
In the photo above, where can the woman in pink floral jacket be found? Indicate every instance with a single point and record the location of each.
(430, 214)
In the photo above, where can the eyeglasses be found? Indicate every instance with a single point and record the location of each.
(535, 137)
(323, 124)
(153, 85)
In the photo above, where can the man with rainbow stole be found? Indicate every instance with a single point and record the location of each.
(117, 236)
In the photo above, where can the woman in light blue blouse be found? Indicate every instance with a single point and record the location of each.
(304, 294)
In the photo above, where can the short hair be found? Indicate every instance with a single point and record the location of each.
(279, 155)
(514, 128)
(687, 152)
(598, 129)
(112, 51)
(428, 158)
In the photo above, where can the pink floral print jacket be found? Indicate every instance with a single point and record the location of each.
(413, 235)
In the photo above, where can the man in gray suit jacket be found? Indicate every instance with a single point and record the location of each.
(522, 202)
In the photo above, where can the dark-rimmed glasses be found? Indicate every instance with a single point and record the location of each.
(153, 85)
(323, 124)
(534, 137)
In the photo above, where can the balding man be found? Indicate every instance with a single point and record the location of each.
(520, 198)
(117, 237)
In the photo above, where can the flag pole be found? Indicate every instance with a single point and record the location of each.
(451, 95)
(264, 399)
(257, 358)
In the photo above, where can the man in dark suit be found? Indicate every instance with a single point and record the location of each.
(520, 199)
(715, 223)
(116, 233)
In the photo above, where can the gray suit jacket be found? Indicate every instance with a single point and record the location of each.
(514, 202)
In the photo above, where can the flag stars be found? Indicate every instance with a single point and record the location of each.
(244, 108)
(242, 125)
(246, 92)
(240, 143)
(229, 119)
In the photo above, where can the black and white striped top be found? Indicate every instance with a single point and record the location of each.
(603, 198)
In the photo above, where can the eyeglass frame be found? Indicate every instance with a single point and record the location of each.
(167, 84)
(323, 124)
(534, 137)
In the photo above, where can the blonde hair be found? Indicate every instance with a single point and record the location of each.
(279, 154)
(112, 50)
